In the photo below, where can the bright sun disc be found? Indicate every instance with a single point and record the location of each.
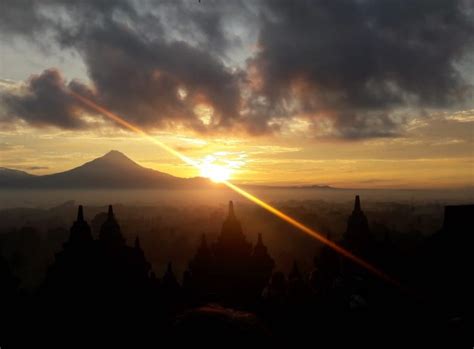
(215, 173)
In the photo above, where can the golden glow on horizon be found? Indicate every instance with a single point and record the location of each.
(220, 166)
(220, 174)
(216, 173)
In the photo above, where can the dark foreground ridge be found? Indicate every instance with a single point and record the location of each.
(104, 291)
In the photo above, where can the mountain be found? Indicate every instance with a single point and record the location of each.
(9, 177)
(114, 170)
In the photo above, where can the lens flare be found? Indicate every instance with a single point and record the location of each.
(215, 169)
(222, 175)
(215, 173)
(311, 232)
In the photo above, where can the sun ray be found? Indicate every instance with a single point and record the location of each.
(222, 177)
(216, 173)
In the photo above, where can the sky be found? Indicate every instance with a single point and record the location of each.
(349, 93)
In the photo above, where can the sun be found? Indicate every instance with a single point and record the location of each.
(220, 166)
(216, 173)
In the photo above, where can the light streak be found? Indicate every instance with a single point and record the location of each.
(133, 128)
(307, 230)
(310, 232)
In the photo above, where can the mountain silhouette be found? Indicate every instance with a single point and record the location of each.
(114, 170)
(9, 176)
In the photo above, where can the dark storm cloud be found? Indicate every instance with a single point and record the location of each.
(21, 17)
(210, 24)
(135, 72)
(36, 168)
(44, 101)
(358, 61)
(141, 78)
(355, 64)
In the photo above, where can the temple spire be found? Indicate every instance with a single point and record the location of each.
(358, 232)
(169, 280)
(80, 231)
(357, 204)
(80, 214)
(231, 237)
(110, 214)
(110, 230)
(231, 209)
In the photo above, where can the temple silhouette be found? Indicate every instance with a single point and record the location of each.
(96, 268)
(357, 235)
(230, 269)
(231, 290)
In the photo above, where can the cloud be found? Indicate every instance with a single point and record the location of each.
(45, 101)
(356, 62)
(142, 79)
(353, 69)
(134, 73)
(21, 17)
(7, 83)
(4, 146)
(35, 168)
